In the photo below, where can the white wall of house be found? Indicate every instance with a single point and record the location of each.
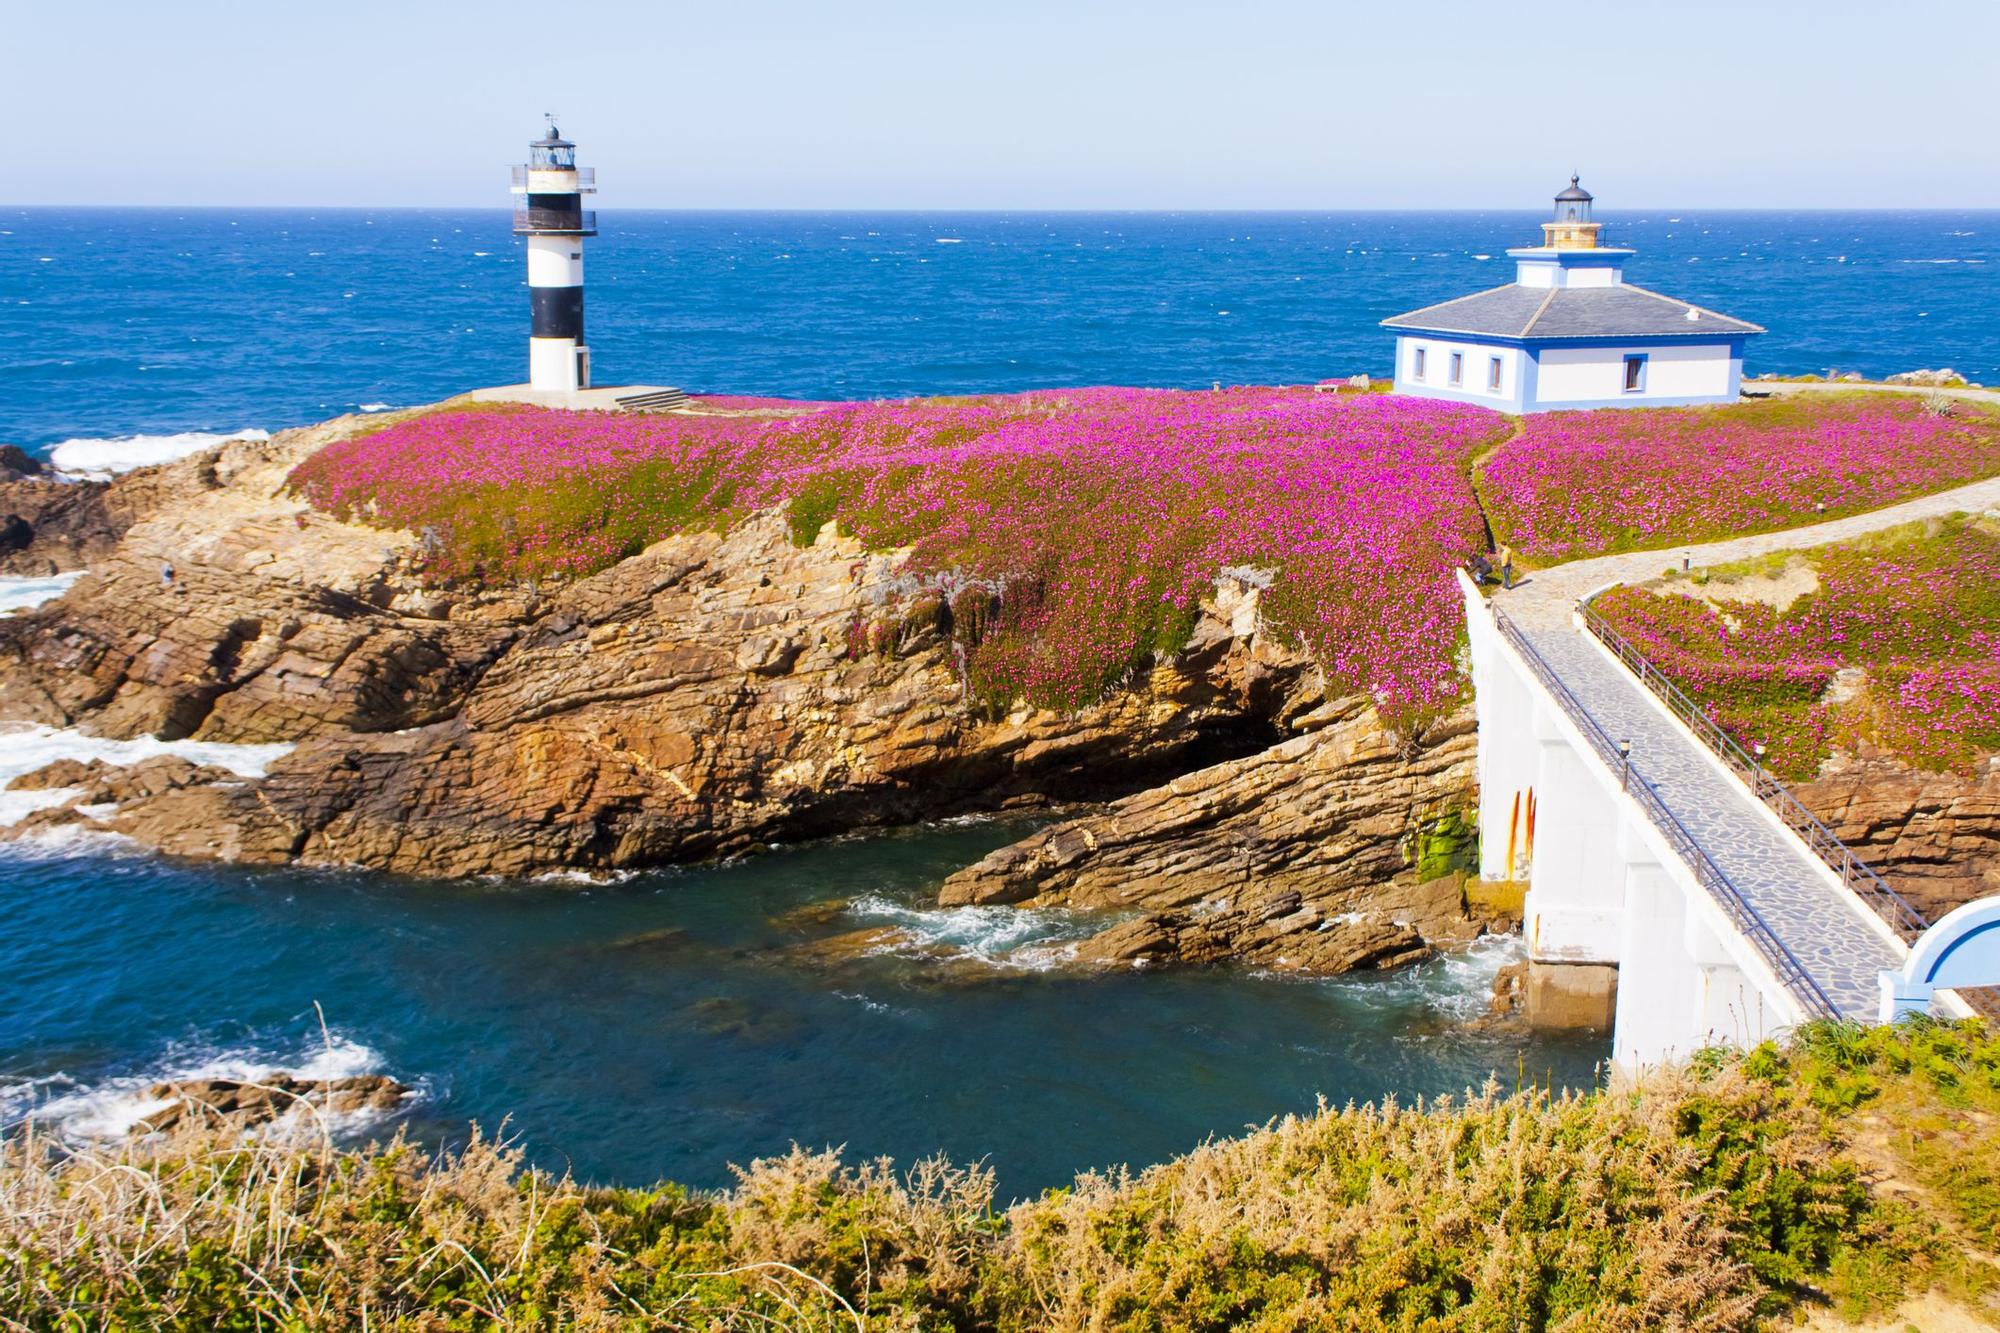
(1546, 273)
(1597, 374)
(1476, 378)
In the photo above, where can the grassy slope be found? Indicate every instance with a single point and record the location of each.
(1915, 608)
(1844, 1171)
(1571, 485)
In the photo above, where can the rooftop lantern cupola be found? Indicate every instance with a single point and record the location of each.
(1571, 228)
(551, 152)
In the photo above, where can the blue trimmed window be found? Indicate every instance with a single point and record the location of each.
(1635, 373)
(1417, 360)
(1457, 369)
(1493, 375)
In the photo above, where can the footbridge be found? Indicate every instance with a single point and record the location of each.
(1677, 892)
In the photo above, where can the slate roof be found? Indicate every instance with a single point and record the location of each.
(1624, 311)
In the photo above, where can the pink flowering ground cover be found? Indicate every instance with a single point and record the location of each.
(1575, 484)
(1069, 535)
(1912, 615)
(736, 402)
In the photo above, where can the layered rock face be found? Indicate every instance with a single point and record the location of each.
(698, 699)
(1935, 837)
(722, 690)
(49, 526)
(1334, 850)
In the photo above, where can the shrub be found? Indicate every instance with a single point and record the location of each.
(1706, 1199)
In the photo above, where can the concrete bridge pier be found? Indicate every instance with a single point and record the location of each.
(1575, 905)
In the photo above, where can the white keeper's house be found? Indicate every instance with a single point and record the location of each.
(1570, 332)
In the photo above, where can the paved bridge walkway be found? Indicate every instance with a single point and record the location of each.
(1838, 938)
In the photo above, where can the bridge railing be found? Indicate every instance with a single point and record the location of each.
(1856, 874)
(1791, 973)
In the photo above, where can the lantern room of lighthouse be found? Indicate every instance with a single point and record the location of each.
(549, 212)
(1570, 332)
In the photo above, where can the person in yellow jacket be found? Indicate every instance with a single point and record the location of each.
(1507, 567)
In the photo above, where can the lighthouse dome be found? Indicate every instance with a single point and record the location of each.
(551, 152)
(1573, 204)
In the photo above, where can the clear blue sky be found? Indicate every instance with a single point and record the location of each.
(1019, 105)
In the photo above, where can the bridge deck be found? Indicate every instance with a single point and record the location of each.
(1827, 928)
(1822, 924)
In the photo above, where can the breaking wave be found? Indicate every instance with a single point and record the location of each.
(25, 592)
(100, 460)
(109, 1107)
(1457, 984)
(1033, 938)
(23, 749)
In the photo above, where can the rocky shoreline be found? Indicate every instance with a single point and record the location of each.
(709, 696)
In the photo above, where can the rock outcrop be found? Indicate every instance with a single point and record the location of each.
(246, 1104)
(1935, 837)
(51, 526)
(722, 690)
(696, 700)
(1334, 850)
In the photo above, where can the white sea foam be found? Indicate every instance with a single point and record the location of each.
(588, 878)
(1015, 937)
(376, 407)
(24, 592)
(1457, 984)
(23, 749)
(100, 460)
(110, 1107)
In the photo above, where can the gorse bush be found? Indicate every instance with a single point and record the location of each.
(1709, 1199)
(1098, 518)
(1575, 484)
(1917, 612)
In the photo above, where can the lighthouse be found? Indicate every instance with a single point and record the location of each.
(548, 210)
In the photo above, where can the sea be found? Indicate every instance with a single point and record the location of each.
(672, 1023)
(117, 323)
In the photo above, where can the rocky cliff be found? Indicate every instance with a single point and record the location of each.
(1934, 836)
(717, 691)
(1333, 850)
(723, 690)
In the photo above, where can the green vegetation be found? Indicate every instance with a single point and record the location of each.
(1889, 642)
(1846, 1170)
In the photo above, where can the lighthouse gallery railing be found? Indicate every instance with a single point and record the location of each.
(561, 220)
(1791, 973)
(586, 177)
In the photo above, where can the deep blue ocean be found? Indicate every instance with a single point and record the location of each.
(120, 322)
(675, 1022)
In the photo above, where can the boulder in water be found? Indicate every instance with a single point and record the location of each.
(245, 1103)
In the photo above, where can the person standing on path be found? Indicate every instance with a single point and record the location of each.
(1507, 567)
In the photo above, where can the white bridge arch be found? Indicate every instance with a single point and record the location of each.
(1961, 950)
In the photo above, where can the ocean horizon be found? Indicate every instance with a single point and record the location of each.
(146, 321)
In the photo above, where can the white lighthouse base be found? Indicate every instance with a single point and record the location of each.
(558, 365)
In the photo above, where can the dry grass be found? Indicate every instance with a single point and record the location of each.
(1716, 1199)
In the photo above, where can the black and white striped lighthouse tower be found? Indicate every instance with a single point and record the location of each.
(549, 211)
